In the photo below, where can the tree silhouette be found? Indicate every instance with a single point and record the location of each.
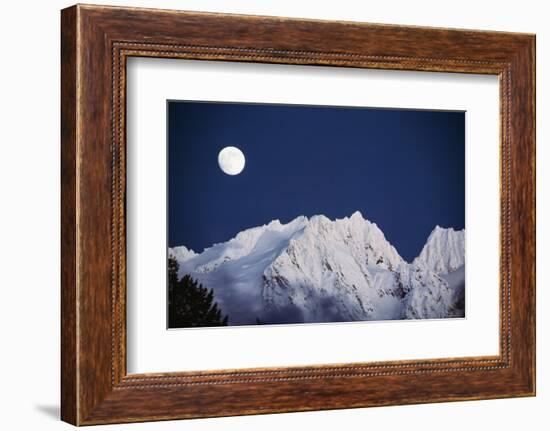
(190, 305)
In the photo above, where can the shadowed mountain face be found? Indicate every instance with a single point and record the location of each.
(320, 270)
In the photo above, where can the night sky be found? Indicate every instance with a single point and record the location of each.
(403, 169)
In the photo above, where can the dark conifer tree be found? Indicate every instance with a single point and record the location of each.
(190, 305)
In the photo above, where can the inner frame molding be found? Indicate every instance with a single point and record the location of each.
(96, 42)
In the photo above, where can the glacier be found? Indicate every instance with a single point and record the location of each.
(314, 270)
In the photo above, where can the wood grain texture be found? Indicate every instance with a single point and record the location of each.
(69, 397)
(96, 41)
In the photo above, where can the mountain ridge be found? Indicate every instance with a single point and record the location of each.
(318, 270)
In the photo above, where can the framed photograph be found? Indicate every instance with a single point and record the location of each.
(285, 241)
(266, 215)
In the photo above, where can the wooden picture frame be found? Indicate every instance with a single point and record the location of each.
(95, 43)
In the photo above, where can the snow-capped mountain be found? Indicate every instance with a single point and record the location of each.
(322, 270)
(443, 252)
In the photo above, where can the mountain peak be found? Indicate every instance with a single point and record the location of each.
(444, 250)
(320, 219)
(442, 229)
(357, 216)
(275, 222)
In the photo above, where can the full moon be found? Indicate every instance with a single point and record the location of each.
(231, 160)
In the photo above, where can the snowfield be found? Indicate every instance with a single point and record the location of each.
(321, 270)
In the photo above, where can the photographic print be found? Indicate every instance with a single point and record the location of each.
(293, 214)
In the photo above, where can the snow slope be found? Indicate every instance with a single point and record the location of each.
(322, 270)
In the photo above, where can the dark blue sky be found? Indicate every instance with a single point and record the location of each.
(403, 169)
